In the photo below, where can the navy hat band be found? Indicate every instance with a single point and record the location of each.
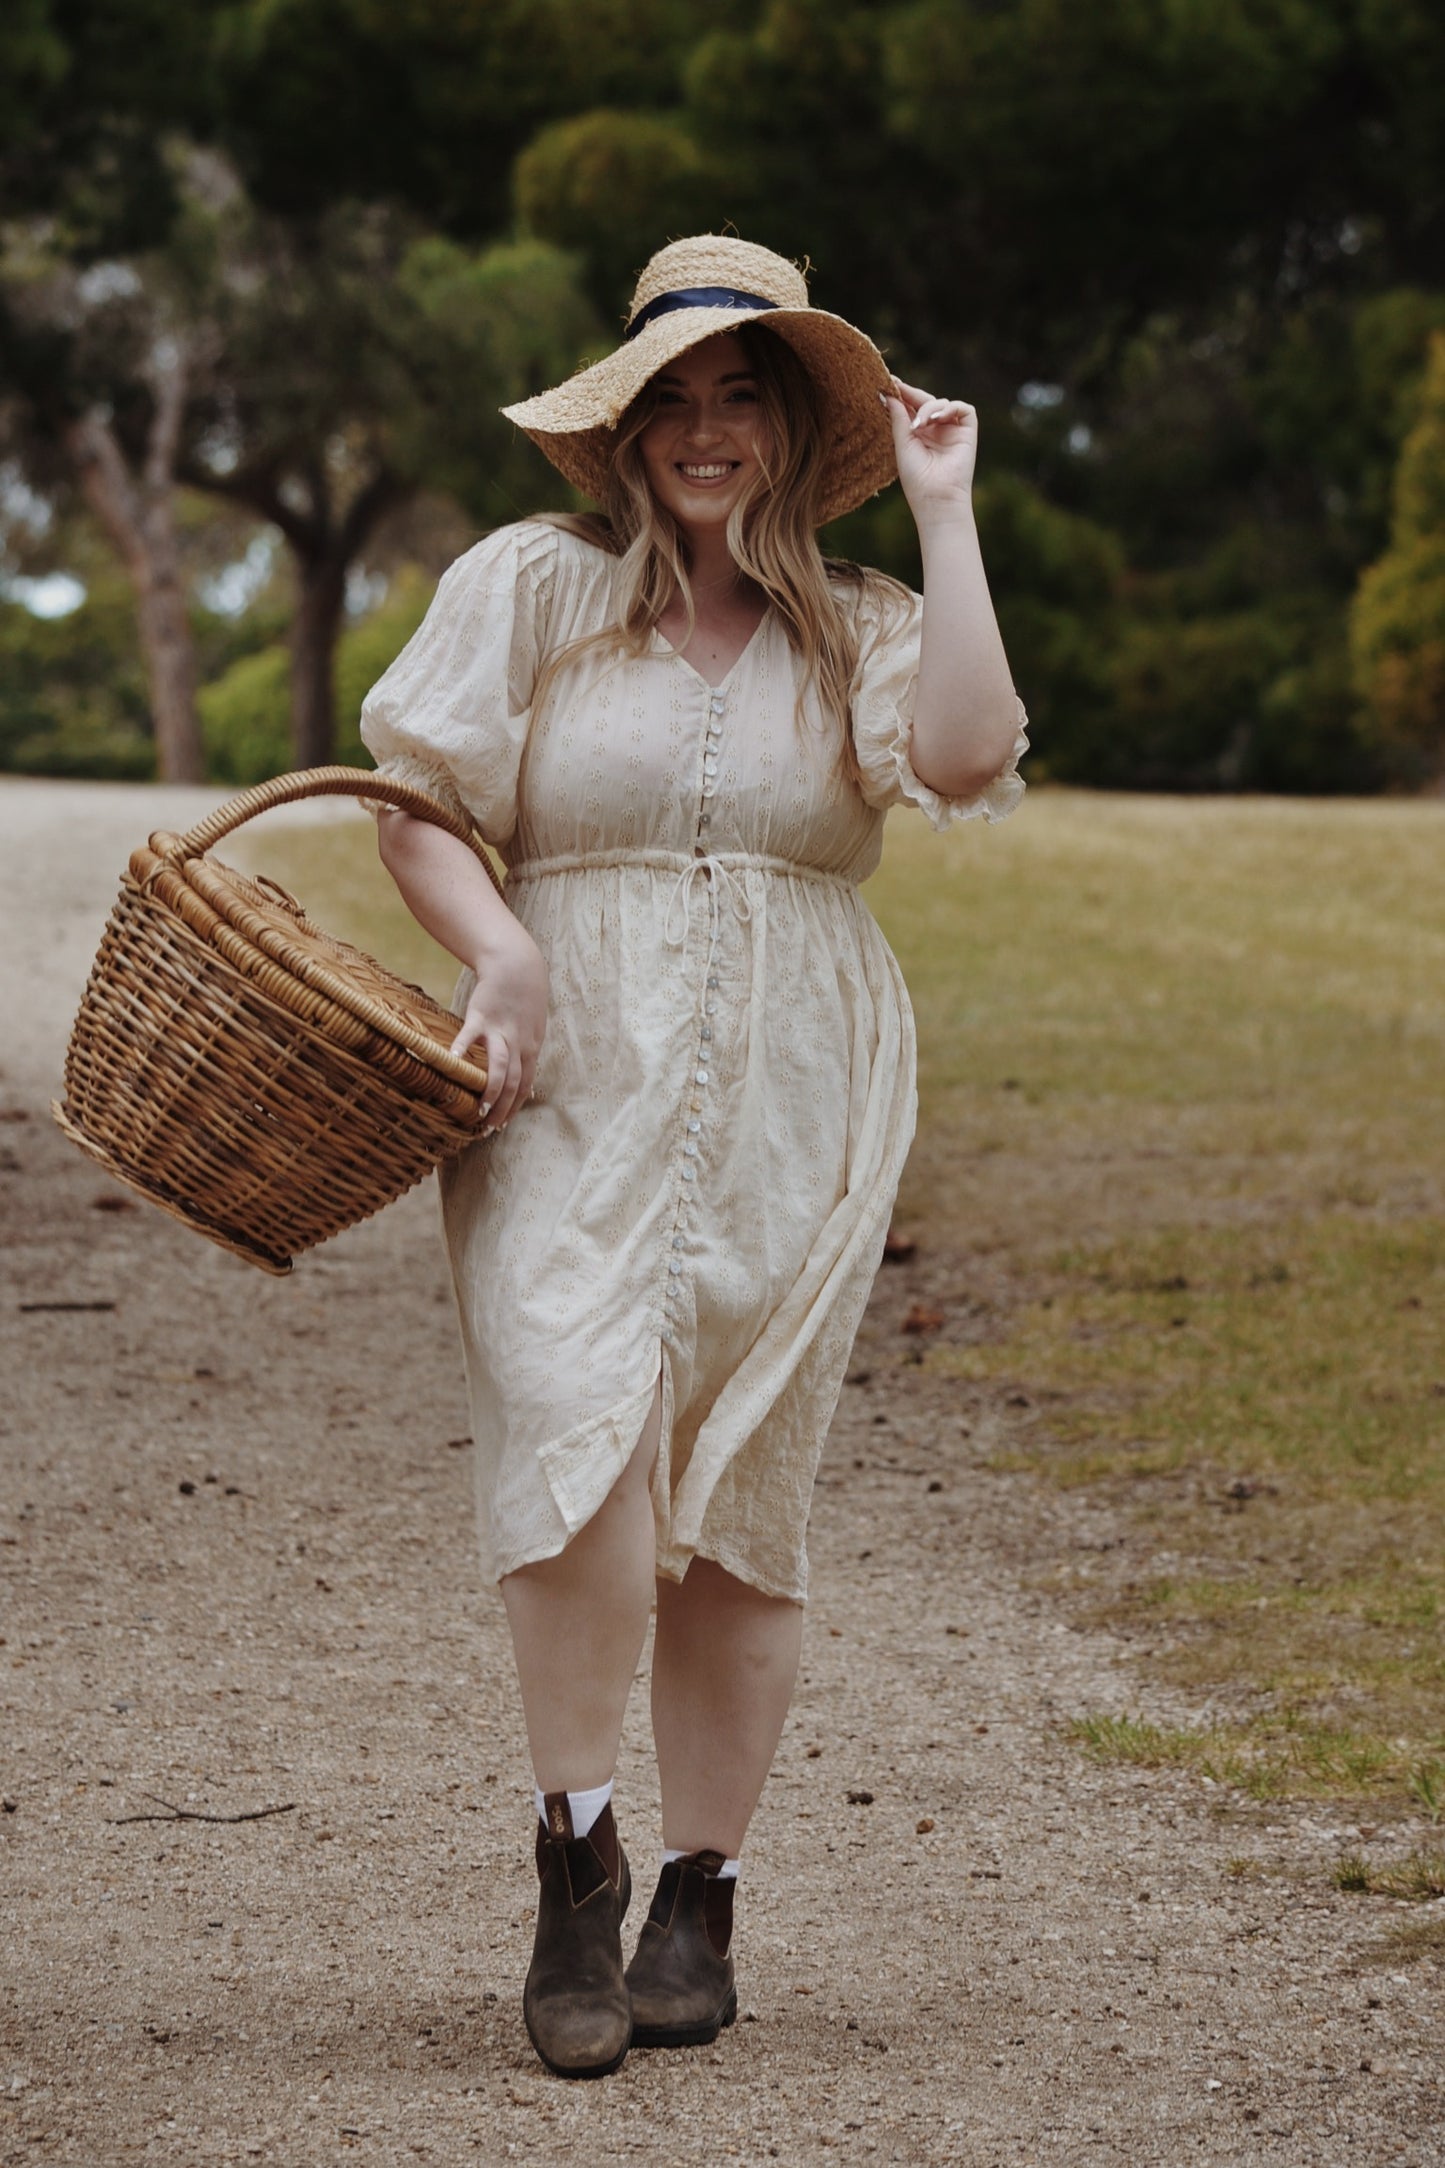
(695, 297)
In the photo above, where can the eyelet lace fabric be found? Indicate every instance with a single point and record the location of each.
(699, 1191)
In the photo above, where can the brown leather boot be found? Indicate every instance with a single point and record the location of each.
(576, 2004)
(681, 1979)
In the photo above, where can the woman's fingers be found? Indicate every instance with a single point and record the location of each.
(940, 411)
(922, 407)
(508, 1080)
(910, 394)
(504, 1069)
(495, 1055)
(510, 1072)
(467, 1037)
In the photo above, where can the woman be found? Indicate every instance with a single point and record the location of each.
(681, 731)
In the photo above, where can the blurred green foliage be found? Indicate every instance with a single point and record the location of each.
(1398, 621)
(72, 693)
(1185, 256)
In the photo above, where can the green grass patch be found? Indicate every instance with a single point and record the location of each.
(1145, 1011)
(1271, 1757)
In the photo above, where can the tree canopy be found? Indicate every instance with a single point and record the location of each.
(1186, 256)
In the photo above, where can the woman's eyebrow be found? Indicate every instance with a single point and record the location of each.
(739, 376)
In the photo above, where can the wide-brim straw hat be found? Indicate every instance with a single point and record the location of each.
(689, 291)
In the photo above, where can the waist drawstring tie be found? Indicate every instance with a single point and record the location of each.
(717, 876)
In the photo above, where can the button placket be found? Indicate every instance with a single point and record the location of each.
(701, 1076)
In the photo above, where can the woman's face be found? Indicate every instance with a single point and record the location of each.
(706, 439)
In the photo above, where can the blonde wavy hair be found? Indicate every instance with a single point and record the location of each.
(772, 537)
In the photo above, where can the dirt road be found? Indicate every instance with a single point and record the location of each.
(236, 1573)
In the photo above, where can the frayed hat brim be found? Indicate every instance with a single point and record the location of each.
(575, 424)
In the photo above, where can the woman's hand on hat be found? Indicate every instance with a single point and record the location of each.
(935, 442)
(506, 1016)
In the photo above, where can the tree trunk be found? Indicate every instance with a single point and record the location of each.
(139, 517)
(322, 581)
(325, 553)
(165, 632)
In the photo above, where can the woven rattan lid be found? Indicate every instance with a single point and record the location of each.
(265, 933)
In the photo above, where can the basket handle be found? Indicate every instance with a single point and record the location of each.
(334, 782)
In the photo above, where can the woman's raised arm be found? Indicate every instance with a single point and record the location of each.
(965, 716)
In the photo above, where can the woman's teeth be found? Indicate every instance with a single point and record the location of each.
(705, 474)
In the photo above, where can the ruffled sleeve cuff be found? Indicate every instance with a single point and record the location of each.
(884, 694)
(885, 756)
(408, 768)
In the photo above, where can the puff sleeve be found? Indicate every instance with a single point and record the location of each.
(890, 634)
(452, 711)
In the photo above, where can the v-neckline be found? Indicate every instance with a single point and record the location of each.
(675, 654)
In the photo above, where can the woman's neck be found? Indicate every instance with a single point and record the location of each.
(712, 570)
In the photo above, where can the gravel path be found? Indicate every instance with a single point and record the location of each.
(237, 1573)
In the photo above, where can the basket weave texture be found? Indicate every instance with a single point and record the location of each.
(245, 1070)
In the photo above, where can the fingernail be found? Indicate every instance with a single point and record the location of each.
(489, 1131)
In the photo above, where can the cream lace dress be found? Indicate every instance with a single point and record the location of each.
(725, 1096)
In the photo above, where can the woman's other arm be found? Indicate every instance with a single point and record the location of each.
(448, 893)
(965, 716)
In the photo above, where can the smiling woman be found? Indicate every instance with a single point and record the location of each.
(682, 730)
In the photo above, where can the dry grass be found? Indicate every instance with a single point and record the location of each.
(1180, 1088)
(1420, 1878)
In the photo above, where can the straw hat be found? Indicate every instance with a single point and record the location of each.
(690, 290)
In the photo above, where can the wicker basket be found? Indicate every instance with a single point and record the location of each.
(244, 1070)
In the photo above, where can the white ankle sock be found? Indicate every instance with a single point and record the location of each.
(727, 1872)
(585, 1806)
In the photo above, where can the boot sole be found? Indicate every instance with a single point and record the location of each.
(687, 2036)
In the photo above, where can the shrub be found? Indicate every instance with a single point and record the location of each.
(1397, 622)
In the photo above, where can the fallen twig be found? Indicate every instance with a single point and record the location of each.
(31, 1309)
(194, 1814)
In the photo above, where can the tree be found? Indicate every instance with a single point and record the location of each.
(427, 103)
(91, 92)
(354, 361)
(100, 365)
(314, 373)
(1397, 624)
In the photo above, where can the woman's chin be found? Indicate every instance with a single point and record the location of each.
(702, 507)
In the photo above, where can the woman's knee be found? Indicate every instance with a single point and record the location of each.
(708, 1588)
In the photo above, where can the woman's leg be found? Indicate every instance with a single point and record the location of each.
(578, 1623)
(723, 1668)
